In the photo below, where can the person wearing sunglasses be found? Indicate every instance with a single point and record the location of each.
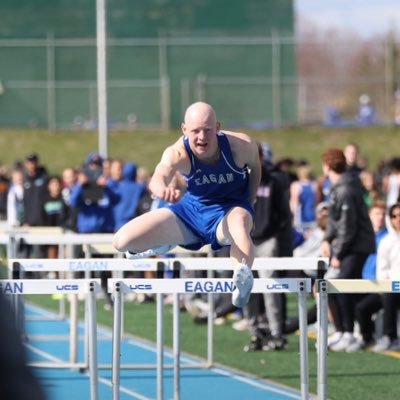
(388, 267)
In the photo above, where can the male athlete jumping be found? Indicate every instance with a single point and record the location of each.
(222, 171)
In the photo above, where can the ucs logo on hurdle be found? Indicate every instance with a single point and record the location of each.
(139, 287)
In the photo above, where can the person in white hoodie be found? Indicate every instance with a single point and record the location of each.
(388, 267)
(15, 199)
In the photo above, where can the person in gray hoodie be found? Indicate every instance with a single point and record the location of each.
(348, 241)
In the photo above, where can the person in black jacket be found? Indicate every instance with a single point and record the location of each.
(348, 241)
(35, 189)
(272, 236)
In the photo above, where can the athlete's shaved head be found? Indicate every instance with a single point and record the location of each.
(200, 127)
(200, 112)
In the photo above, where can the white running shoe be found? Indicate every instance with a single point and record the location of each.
(156, 251)
(334, 338)
(243, 280)
(347, 340)
(385, 343)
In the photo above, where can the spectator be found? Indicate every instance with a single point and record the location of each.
(366, 111)
(370, 194)
(310, 248)
(272, 218)
(15, 199)
(303, 198)
(349, 240)
(323, 188)
(371, 303)
(4, 186)
(35, 189)
(94, 202)
(128, 192)
(392, 182)
(387, 267)
(93, 166)
(352, 154)
(69, 179)
(55, 210)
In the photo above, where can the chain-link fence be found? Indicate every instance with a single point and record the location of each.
(255, 82)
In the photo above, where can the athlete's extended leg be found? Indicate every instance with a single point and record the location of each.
(234, 229)
(160, 228)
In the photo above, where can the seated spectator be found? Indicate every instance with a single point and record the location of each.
(388, 267)
(371, 303)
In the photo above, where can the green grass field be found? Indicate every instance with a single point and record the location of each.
(61, 149)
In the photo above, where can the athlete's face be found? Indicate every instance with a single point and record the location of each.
(201, 129)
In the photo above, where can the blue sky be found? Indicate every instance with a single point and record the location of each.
(366, 17)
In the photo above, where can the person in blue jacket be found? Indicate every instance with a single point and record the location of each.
(94, 202)
(127, 192)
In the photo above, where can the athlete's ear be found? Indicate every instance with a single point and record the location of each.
(183, 128)
(218, 126)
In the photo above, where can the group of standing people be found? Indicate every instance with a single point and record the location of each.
(97, 197)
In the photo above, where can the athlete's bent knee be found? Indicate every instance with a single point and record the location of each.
(119, 242)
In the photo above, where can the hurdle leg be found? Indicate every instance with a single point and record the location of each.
(92, 343)
(303, 340)
(116, 343)
(176, 345)
(322, 340)
(210, 325)
(73, 338)
(160, 346)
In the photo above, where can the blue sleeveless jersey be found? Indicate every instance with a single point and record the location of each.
(220, 182)
(212, 190)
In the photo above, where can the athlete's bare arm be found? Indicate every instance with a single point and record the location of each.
(245, 152)
(173, 160)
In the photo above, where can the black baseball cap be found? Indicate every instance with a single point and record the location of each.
(32, 157)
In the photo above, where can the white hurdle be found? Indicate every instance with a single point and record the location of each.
(330, 286)
(17, 268)
(178, 286)
(210, 285)
(64, 286)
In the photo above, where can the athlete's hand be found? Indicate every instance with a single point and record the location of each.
(171, 195)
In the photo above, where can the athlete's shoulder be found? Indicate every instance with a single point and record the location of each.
(244, 149)
(237, 137)
(176, 155)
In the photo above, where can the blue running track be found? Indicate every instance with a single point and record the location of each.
(196, 383)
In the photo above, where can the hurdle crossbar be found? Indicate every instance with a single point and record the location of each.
(87, 264)
(152, 264)
(204, 285)
(63, 286)
(335, 286)
(260, 263)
